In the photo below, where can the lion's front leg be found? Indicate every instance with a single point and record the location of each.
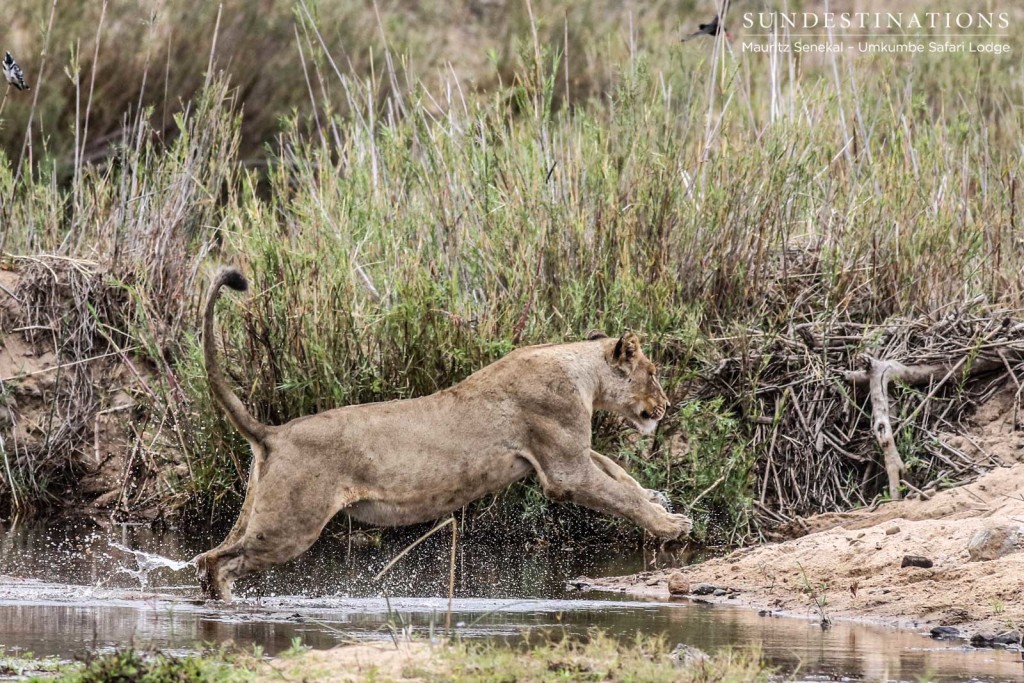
(594, 481)
(615, 471)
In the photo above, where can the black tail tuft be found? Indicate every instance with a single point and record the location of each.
(234, 279)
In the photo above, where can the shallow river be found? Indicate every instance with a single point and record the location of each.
(74, 587)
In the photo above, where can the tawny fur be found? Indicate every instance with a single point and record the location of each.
(414, 460)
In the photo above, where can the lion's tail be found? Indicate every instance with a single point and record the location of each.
(253, 430)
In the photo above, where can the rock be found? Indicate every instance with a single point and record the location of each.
(580, 583)
(703, 589)
(653, 581)
(687, 655)
(945, 633)
(995, 541)
(1007, 638)
(720, 592)
(892, 530)
(677, 584)
(916, 561)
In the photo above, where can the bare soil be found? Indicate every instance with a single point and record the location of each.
(113, 464)
(357, 662)
(850, 564)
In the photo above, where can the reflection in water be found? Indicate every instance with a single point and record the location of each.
(70, 596)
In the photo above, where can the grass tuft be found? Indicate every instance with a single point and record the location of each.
(403, 225)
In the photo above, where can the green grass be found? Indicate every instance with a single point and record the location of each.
(132, 666)
(404, 228)
(25, 664)
(597, 658)
(593, 658)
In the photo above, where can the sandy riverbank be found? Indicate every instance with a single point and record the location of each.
(851, 563)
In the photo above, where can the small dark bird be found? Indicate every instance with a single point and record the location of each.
(712, 28)
(13, 73)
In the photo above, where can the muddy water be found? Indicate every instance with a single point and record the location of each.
(67, 589)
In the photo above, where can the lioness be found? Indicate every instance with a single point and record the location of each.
(410, 461)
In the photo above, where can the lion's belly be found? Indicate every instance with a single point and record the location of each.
(399, 506)
(405, 462)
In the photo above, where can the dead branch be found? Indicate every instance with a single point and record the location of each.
(913, 375)
(818, 421)
(879, 375)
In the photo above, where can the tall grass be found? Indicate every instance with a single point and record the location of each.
(405, 230)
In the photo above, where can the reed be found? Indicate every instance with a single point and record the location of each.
(403, 227)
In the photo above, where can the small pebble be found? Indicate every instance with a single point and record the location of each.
(892, 530)
(916, 561)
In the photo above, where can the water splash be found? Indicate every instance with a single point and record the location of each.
(147, 563)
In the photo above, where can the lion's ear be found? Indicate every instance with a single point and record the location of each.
(626, 350)
(596, 334)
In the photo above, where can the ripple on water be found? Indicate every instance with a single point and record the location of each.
(65, 590)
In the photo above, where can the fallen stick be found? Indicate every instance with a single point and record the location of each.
(879, 375)
(922, 374)
(15, 378)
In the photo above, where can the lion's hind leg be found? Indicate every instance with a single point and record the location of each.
(267, 540)
(238, 528)
(287, 514)
(210, 566)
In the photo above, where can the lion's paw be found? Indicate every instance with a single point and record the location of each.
(676, 526)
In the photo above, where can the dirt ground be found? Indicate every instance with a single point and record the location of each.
(851, 563)
(117, 465)
(370, 661)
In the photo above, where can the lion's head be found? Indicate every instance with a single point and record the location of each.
(633, 390)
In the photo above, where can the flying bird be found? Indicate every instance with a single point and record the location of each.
(713, 27)
(13, 73)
